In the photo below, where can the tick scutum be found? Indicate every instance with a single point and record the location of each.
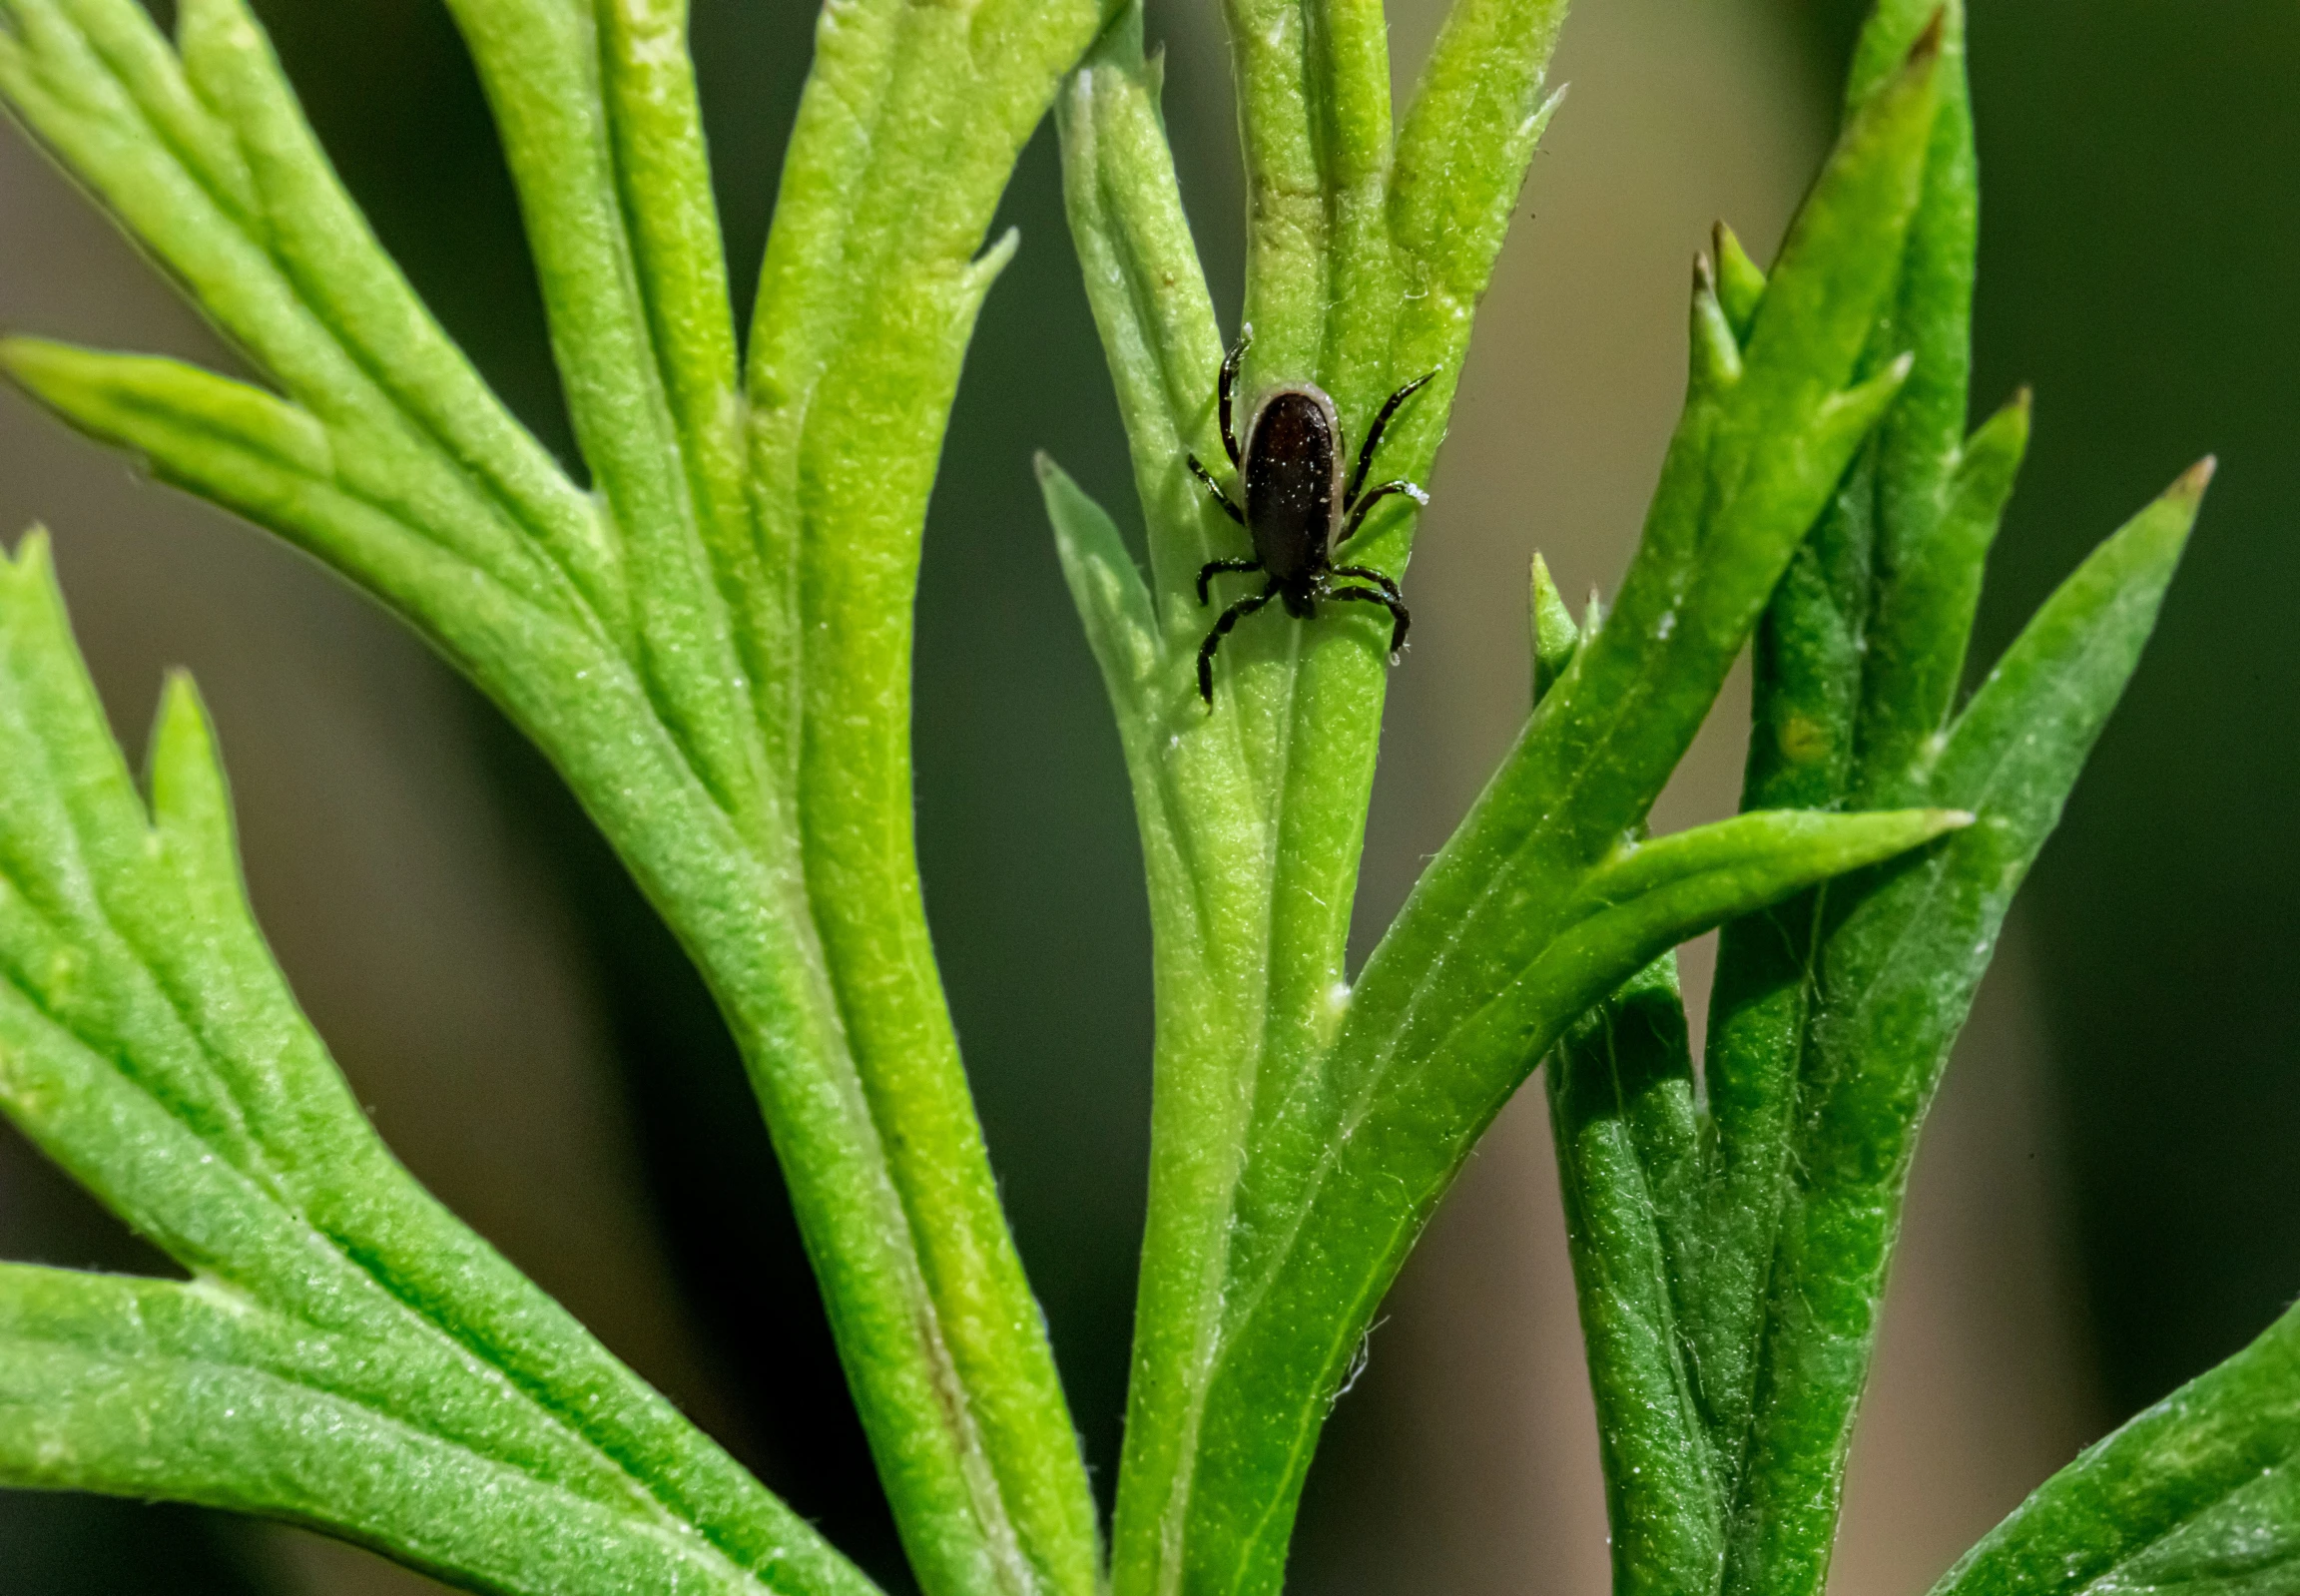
(1293, 489)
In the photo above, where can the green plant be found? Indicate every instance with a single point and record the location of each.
(710, 640)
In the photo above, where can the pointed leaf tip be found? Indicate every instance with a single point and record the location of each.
(1899, 831)
(1556, 637)
(1929, 44)
(1740, 280)
(29, 571)
(2193, 481)
(31, 549)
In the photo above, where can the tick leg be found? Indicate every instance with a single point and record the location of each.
(1374, 434)
(1227, 388)
(1230, 618)
(1399, 619)
(1372, 496)
(1223, 499)
(1215, 567)
(1366, 573)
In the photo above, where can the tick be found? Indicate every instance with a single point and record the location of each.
(1298, 509)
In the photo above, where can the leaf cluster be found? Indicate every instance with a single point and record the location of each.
(707, 629)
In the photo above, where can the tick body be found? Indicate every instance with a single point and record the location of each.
(1298, 507)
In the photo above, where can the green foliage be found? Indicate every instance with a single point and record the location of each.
(709, 638)
(647, 634)
(2199, 1495)
(1732, 1241)
(345, 1354)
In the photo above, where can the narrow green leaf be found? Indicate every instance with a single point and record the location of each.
(648, 638)
(1111, 600)
(2199, 1495)
(1250, 843)
(1665, 892)
(191, 1393)
(663, 191)
(1833, 1013)
(1314, 118)
(275, 463)
(1365, 1102)
(1201, 798)
(1808, 657)
(1622, 1106)
(1149, 299)
(209, 162)
(1328, 1212)
(603, 141)
(1925, 604)
(1470, 130)
(1364, 272)
(1900, 957)
(1822, 655)
(908, 129)
(339, 1323)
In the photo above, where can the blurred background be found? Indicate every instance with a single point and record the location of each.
(2106, 1202)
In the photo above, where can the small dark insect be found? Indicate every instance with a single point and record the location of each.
(1298, 510)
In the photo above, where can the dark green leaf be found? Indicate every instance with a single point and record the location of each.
(1623, 1110)
(1901, 954)
(2197, 1497)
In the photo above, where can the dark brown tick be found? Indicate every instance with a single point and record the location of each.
(1298, 509)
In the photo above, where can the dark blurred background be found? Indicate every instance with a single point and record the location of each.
(2105, 1204)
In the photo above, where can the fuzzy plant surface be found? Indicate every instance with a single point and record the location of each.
(706, 627)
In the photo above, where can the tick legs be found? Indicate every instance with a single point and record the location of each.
(1227, 388)
(1215, 567)
(1374, 435)
(1230, 618)
(1366, 573)
(1366, 501)
(1223, 499)
(1399, 619)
